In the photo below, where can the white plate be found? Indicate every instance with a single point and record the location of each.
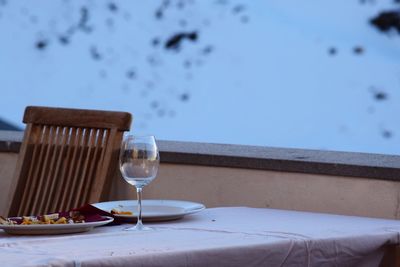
(153, 210)
(52, 229)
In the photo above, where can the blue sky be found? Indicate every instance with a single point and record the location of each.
(271, 73)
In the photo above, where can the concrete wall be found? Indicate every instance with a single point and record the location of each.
(219, 186)
(7, 166)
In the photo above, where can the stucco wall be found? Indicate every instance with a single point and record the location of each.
(218, 186)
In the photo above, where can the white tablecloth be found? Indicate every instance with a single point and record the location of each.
(215, 237)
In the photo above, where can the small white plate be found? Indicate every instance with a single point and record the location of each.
(53, 229)
(153, 210)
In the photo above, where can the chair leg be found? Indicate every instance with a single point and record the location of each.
(391, 257)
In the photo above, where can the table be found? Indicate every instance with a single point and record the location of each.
(231, 236)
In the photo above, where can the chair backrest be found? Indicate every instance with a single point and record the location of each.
(67, 158)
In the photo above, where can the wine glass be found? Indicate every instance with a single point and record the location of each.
(139, 160)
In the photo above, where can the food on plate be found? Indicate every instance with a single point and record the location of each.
(49, 217)
(118, 211)
(54, 218)
(6, 221)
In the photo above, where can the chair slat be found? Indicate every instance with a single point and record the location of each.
(37, 166)
(53, 146)
(37, 199)
(78, 169)
(87, 160)
(64, 131)
(33, 142)
(105, 156)
(67, 190)
(98, 150)
(65, 169)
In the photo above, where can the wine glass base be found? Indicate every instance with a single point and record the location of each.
(139, 227)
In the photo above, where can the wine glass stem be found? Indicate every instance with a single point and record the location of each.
(139, 199)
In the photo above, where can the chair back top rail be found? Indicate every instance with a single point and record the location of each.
(84, 118)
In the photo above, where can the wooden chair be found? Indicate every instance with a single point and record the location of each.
(67, 158)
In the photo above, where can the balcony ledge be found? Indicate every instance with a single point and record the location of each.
(364, 165)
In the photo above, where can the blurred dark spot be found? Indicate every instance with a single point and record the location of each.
(387, 20)
(84, 19)
(131, 74)
(125, 88)
(127, 16)
(33, 19)
(184, 97)
(208, 49)
(63, 39)
(159, 13)
(171, 113)
(154, 104)
(301, 157)
(387, 134)
(71, 30)
(379, 96)
(3, 2)
(222, 2)
(371, 110)
(144, 93)
(358, 50)
(367, 1)
(213, 220)
(180, 4)
(52, 23)
(87, 29)
(150, 85)
(153, 60)
(110, 50)
(112, 7)
(244, 19)
(148, 116)
(182, 23)
(110, 22)
(84, 16)
(238, 8)
(187, 64)
(189, 76)
(24, 11)
(343, 128)
(192, 36)
(161, 113)
(142, 125)
(155, 41)
(166, 3)
(206, 22)
(41, 44)
(174, 42)
(332, 51)
(103, 74)
(94, 53)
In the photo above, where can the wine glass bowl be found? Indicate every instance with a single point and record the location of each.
(139, 161)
